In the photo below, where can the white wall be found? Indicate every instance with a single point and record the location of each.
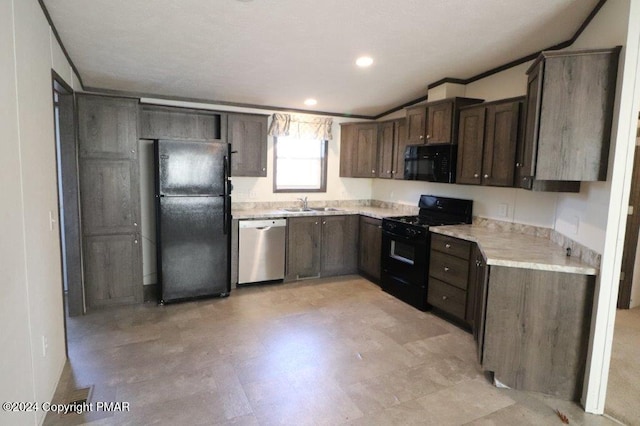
(31, 302)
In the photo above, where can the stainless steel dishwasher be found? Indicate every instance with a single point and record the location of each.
(261, 249)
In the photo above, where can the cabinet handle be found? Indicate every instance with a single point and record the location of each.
(446, 269)
(486, 176)
(475, 175)
(444, 297)
(447, 245)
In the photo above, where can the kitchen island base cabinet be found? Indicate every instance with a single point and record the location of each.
(536, 330)
(321, 246)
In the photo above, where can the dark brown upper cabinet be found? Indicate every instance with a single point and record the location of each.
(401, 144)
(108, 127)
(436, 122)
(391, 143)
(440, 122)
(386, 142)
(570, 99)
(487, 142)
(416, 124)
(247, 134)
(163, 122)
(358, 150)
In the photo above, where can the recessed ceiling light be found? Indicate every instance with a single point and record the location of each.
(364, 61)
(310, 102)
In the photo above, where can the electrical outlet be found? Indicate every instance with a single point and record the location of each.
(252, 194)
(503, 210)
(574, 224)
(45, 346)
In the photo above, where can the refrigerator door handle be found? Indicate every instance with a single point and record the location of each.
(225, 207)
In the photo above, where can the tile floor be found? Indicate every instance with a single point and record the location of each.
(322, 352)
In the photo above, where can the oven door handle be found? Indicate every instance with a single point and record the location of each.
(391, 235)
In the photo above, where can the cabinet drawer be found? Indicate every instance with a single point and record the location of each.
(450, 245)
(450, 269)
(446, 298)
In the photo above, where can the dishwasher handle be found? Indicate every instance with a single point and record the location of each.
(263, 228)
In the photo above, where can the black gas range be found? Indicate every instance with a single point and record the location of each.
(405, 246)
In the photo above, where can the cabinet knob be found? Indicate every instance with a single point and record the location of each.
(525, 179)
(475, 175)
(518, 165)
(444, 297)
(393, 171)
(135, 223)
(388, 171)
(264, 169)
(324, 222)
(133, 151)
(421, 137)
(446, 269)
(428, 136)
(135, 241)
(447, 245)
(486, 176)
(316, 223)
(373, 171)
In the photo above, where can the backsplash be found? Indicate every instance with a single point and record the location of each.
(279, 205)
(585, 254)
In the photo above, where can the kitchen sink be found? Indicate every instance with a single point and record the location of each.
(299, 209)
(325, 209)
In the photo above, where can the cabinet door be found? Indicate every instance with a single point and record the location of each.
(179, 123)
(109, 196)
(347, 149)
(112, 270)
(470, 144)
(370, 248)
(339, 245)
(440, 123)
(400, 145)
(107, 127)
(366, 141)
(416, 124)
(247, 135)
(386, 138)
(498, 160)
(303, 247)
(527, 157)
(477, 302)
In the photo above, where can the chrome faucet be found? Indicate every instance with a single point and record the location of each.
(305, 204)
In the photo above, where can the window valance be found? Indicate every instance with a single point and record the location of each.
(301, 126)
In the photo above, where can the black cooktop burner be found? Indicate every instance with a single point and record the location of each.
(423, 221)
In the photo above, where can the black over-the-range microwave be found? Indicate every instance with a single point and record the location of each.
(433, 163)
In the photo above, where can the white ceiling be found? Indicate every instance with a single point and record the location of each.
(280, 52)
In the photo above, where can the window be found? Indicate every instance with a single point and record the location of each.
(300, 165)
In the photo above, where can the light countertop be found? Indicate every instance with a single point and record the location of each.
(517, 250)
(374, 212)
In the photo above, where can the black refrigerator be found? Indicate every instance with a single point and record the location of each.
(193, 219)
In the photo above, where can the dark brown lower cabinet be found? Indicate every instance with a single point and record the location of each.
(370, 248)
(531, 326)
(536, 331)
(321, 246)
(449, 291)
(111, 266)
